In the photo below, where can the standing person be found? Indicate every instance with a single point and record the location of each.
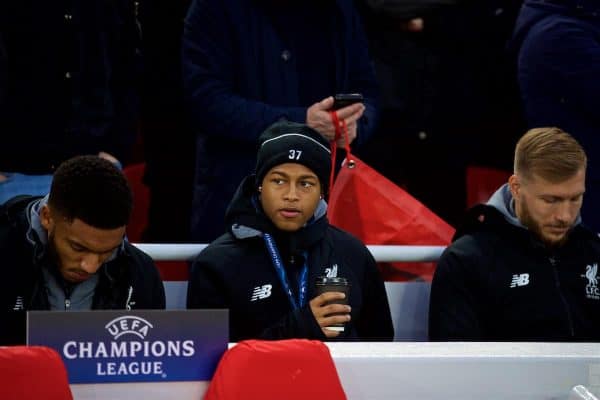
(449, 95)
(524, 267)
(250, 63)
(167, 137)
(278, 242)
(66, 251)
(70, 75)
(558, 45)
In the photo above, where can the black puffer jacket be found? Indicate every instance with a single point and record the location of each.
(130, 280)
(498, 282)
(236, 267)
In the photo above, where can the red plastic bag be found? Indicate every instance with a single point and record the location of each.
(371, 207)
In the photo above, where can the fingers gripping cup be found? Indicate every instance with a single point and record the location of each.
(334, 284)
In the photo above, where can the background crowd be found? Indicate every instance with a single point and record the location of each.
(187, 88)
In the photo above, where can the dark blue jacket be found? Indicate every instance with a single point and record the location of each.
(68, 83)
(558, 43)
(239, 78)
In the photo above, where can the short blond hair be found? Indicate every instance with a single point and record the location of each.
(549, 153)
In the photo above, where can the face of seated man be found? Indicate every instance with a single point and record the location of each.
(78, 249)
(548, 209)
(289, 195)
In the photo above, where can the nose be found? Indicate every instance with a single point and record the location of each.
(291, 194)
(90, 263)
(566, 212)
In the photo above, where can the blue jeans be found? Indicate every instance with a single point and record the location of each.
(16, 184)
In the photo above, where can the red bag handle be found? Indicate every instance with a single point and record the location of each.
(340, 129)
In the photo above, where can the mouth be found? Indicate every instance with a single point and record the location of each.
(558, 230)
(79, 276)
(289, 212)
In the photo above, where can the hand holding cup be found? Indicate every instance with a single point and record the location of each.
(330, 306)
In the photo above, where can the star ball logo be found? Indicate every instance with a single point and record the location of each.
(129, 353)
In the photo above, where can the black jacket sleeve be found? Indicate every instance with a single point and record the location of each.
(375, 322)
(453, 310)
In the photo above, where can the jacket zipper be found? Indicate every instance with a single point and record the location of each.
(553, 261)
(67, 304)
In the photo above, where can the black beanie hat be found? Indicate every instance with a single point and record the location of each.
(290, 142)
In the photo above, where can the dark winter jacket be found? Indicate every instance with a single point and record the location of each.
(70, 81)
(129, 280)
(559, 64)
(558, 48)
(240, 77)
(236, 272)
(498, 282)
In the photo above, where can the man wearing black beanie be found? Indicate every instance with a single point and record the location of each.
(279, 242)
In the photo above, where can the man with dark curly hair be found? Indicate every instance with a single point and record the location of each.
(66, 251)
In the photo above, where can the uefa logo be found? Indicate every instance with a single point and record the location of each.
(128, 325)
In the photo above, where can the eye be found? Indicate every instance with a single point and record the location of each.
(577, 199)
(77, 248)
(307, 184)
(278, 181)
(549, 200)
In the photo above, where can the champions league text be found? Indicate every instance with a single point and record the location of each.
(128, 349)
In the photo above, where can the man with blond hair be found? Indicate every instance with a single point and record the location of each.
(524, 267)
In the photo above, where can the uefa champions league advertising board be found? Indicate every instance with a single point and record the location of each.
(133, 346)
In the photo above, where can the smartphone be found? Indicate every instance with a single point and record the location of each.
(345, 99)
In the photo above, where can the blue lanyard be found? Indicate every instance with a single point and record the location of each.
(279, 268)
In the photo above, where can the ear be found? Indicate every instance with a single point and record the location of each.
(515, 185)
(260, 189)
(46, 217)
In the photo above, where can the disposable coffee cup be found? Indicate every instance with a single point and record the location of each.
(334, 284)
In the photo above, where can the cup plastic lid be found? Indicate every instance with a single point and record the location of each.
(336, 280)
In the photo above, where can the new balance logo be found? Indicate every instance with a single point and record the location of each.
(519, 280)
(261, 292)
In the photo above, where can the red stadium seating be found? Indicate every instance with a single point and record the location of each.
(482, 182)
(169, 270)
(139, 216)
(34, 372)
(294, 369)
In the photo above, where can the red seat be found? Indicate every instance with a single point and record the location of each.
(34, 372)
(141, 201)
(482, 182)
(169, 270)
(294, 369)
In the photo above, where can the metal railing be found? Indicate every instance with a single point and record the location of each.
(391, 253)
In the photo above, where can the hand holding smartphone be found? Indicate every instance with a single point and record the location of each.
(342, 100)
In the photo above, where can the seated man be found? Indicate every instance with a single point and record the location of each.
(279, 242)
(524, 267)
(66, 251)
